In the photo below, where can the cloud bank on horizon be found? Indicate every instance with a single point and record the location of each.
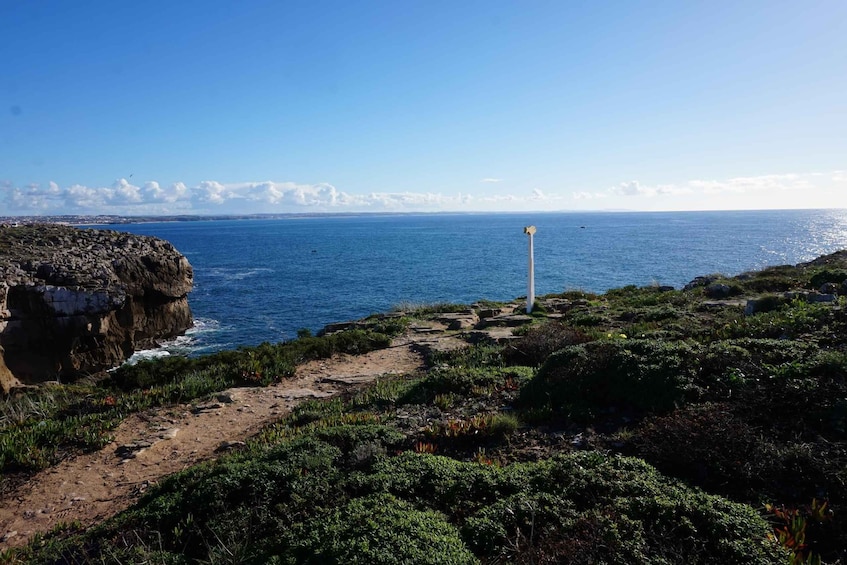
(807, 190)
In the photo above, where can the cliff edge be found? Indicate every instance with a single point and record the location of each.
(78, 301)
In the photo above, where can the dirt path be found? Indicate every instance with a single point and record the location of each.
(151, 445)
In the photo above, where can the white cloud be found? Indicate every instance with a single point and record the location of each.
(491, 180)
(584, 195)
(756, 184)
(213, 197)
(632, 188)
(211, 191)
(124, 193)
(738, 185)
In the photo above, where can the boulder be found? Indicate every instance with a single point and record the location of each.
(505, 320)
(718, 290)
(830, 288)
(556, 304)
(76, 302)
(458, 320)
(700, 281)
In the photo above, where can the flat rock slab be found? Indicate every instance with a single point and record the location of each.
(499, 335)
(426, 329)
(350, 379)
(724, 303)
(507, 320)
(458, 320)
(441, 344)
(295, 393)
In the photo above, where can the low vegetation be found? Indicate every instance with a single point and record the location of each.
(645, 425)
(42, 426)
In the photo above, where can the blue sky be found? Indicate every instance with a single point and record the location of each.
(270, 106)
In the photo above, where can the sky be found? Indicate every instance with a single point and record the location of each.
(274, 106)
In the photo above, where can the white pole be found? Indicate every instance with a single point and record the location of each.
(530, 294)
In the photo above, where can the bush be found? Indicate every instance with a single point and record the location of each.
(640, 375)
(712, 447)
(294, 504)
(541, 341)
(827, 275)
(476, 356)
(581, 508)
(708, 446)
(381, 530)
(465, 381)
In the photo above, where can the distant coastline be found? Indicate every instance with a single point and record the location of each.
(115, 219)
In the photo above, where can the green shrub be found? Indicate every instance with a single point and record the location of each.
(295, 504)
(788, 320)
(476, 356)
(587, 319)
(381, 530)
(712, 447)
(661, 313)
(542, 340)
(827, 275)
(643, 375)
(465, 381)
(580, 508)
(347, 438)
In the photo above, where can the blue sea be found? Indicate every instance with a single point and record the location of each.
(262, 280)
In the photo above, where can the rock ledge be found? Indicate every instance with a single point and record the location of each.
(79, 301)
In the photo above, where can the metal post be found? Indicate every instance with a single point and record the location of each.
(530, 294)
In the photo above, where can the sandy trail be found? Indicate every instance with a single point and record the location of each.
(148, 446)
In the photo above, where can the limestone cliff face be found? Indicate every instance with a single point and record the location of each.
(74, 302)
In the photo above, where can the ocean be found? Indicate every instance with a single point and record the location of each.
(262, 280)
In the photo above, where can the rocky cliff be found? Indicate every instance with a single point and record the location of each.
(78, 301)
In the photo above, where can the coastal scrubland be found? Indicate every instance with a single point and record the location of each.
(643, 425)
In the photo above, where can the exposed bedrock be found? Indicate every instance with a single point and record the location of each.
(78, 301)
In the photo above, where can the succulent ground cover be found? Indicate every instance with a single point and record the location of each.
(643, 425)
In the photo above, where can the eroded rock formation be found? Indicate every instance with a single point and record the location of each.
(78, 301)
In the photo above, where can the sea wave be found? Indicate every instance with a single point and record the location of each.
(197, 339)
(228, 274)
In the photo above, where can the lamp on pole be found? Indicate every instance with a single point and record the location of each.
(530, 293)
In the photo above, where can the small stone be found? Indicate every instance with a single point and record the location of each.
(226, 398)
(228, 445)
(206, 407)
(169, 434)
